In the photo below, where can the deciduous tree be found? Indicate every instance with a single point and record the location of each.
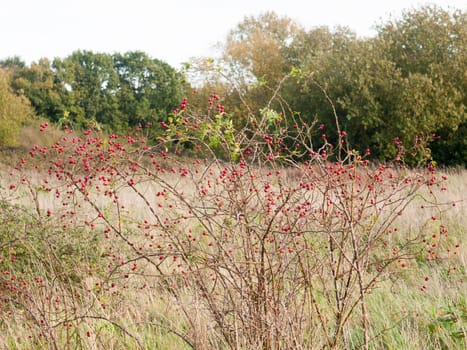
(15, 110)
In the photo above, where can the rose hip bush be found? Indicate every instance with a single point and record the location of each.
(258, 237)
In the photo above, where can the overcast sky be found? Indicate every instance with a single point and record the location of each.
(170, 30)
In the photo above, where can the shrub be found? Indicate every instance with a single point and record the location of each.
(265, 241)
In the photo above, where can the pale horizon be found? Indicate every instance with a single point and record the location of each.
(171, 31)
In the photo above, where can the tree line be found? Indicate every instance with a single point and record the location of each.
(406, 81)
(97, 90)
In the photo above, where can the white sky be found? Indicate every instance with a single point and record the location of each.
(170, 30)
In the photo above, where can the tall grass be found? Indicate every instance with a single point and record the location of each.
(70, 259)
(107, 243)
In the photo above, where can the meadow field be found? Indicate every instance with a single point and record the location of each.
(303, 189)
(107, 243)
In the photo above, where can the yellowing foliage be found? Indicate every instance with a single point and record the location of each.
(15, 110)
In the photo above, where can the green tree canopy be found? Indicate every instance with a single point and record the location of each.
(148, 89)
(429, 47)
(99, 90)
(39, 83)
(90, 84)
(409, 79)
